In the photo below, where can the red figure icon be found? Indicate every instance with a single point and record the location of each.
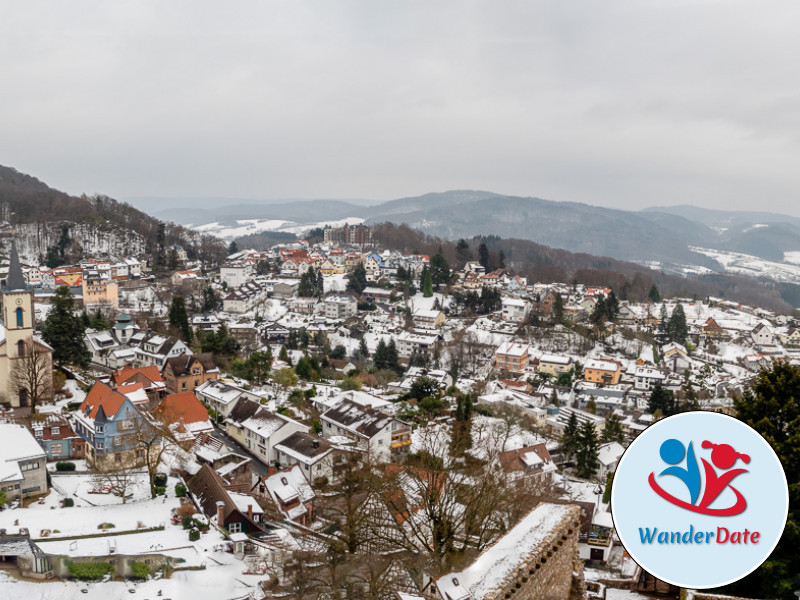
(724, 457)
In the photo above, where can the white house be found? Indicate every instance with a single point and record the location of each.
(762, 335)
(646, 378)
(265, 429)
(374, 432)
(515, 310)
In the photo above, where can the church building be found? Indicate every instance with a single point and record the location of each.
(18, 344)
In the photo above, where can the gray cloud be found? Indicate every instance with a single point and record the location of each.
(621, 103)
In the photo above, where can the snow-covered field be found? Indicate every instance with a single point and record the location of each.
(243, 227)
(745, 264)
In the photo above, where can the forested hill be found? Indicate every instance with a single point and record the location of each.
(38, 214)
(629, 280)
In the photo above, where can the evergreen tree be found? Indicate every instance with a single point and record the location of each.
(440, 269)
(662, 400)
(391, 355)
(663, 322)
(771, 406)
(85, 320)
(677, 329)
(210, 299)
(172, 260)
(380, 358)
(357, 280)
(233, 248)
(586, 459)
(179, 317)
(427, 283)
(654, 294)
(558, 309)
(613, 432)
(99, 322)
(284, 355)
(570, 438)
(63, 329)
(461, 437)
(501, 259)
(591, 405)
(462, 250)
(483, 255)
(363, 350)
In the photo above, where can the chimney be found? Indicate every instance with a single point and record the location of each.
(250, 511)
(220, 514)
(315, 443)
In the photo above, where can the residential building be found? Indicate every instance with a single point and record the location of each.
(149, 378)
(185, 415)
(420, 344)
(232, 511)
(288, 495)
(100, 293)
(605, 372)
(515, 310)
(235, 275)
(762, 335)
(512, 357)
(189, 371)
(646, 378)
(340, 306)
(554, 364)
(107, 421)
(376, 294)
(22, 463)
(530, 462)
(265, 429)
(57, 438)
(429, 319)
(313, 455)
(245, 297)
(374, 432)
(221, 396)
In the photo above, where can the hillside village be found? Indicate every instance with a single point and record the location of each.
(255, 429)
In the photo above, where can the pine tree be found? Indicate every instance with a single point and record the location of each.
(427, 283)
(586, 459)
(558, 309)
(233, 248)
(771, 406)
(569, 440)
(483, 255)
(662, 400)
(284, 355)
(612, 431)
(654, 294)
(357, 280)
(391, 355)
(440, 269)
(63, 330)
(677, 329)
(363, 350)
(663, 321)
(380, 358)
(178, 317)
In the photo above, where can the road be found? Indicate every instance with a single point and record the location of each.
(259, 468)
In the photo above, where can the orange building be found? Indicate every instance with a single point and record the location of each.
(185, 373)
(606, 372)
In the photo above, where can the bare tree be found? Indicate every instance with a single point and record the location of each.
(32, 374)
(116, 477)
(152, 439)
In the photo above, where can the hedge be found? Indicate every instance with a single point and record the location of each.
(194, 535)
(90, 571)
(140, 570)
(160, 479)
(64, 465)
(180, 490)
(161, 490)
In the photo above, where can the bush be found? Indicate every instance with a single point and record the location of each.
(69, 502)
(160, 479)
(180, 490)
(73, 406)
(65, 466)
(106, 526)
(194, 535)
(89, 571)
(140, 570)
(186, 522)
(161, 490)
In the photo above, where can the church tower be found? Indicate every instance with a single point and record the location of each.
(18, 326)
(18, 315)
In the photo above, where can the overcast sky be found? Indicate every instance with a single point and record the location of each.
(619, 104)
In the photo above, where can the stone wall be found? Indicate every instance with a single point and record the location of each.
(547, 572)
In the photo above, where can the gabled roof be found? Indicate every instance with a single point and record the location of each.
(102, 396)
(182, 408)
(182, 365)
(358, 419)
(148, 376)
(209, 488)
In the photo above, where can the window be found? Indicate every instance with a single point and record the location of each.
(98, 428)
(29, 466)
(20, 348)
(55, 430)
(100, 445)
(235, 527)
(183, 385)
(19, 318)
(56, 449)
(118, 441)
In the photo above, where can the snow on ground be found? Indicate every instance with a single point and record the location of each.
(335, 283)
(746, 264)
(229, 230)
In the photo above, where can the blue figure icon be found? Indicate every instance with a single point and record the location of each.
(672, 452)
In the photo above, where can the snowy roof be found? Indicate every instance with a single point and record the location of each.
(513, 349)
(18, 444)
(244, 501)
(555, 358)
(601, 365)
(609, 453)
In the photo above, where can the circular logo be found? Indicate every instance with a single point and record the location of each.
(699, 500)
